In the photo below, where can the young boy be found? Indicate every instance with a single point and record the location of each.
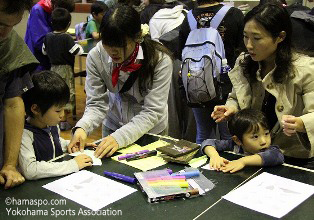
(61, 49)
(98, 10)
(250, 133)
(44, 105)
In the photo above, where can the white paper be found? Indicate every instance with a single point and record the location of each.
(197, 162)
(270, 194)
(207, 167)
(96, 161)
(89, 189)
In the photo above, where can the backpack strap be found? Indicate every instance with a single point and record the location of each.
(216, 20)
(192, 21)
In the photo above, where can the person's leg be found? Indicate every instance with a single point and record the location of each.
(205, 125)
(224, 131)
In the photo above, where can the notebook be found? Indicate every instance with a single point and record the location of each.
(179, 148)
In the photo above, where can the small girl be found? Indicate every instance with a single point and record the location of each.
(127, 84)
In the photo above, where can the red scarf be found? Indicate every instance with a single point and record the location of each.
(46, 5)
(126, 66)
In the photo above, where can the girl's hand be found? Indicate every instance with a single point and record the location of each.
(107, 147)
(78, 141)
(222, 112)
(292, 124)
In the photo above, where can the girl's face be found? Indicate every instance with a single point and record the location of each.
(259, 42)
(120, 54)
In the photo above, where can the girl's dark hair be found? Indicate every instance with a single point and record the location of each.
(274, 18)
(124, 22)
(98, 7)
(246, 120)
(49, 89)
(60, 19)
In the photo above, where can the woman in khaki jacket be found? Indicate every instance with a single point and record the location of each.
(272, 78)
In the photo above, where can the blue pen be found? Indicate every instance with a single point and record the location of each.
(122, 177)
(187, 174)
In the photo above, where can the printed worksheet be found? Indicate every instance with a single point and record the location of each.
(89, 189)
(270, 194)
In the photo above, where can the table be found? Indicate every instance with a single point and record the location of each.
(135, 206)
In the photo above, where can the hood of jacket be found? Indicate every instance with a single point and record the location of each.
(169, 13)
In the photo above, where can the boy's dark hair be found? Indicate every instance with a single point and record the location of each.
(98, 7)
(246, 120)
(60, 19)
(67, 4)
(15, 6)
(49, 89)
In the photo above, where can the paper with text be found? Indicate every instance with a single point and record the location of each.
(270, 194)
(89, 189)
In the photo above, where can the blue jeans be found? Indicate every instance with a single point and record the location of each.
(206, 127)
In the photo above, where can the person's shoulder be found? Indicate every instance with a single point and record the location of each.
(302, 60)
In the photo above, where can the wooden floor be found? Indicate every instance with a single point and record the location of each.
(80, 106)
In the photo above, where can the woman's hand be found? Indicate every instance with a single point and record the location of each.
(292, 124)
(107, 147)
(222, 112)
(78, 141)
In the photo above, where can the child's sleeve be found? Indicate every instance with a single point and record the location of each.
(74, 48)
(272, 156)
(43, 49)
(32, 169)
(220, 145)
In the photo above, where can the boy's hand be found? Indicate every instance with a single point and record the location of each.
(107, 147)
(233, 166)
(83, 161)
(217, 162)
(222, 112)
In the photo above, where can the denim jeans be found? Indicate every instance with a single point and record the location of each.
(206, 127)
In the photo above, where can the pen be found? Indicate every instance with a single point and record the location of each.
(132, 154)
(141, 156)
(119, 176)
(187, 174)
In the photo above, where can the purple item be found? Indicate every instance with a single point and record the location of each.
(131, 155)
(122, 177)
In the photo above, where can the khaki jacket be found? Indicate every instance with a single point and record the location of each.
(295, 98)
